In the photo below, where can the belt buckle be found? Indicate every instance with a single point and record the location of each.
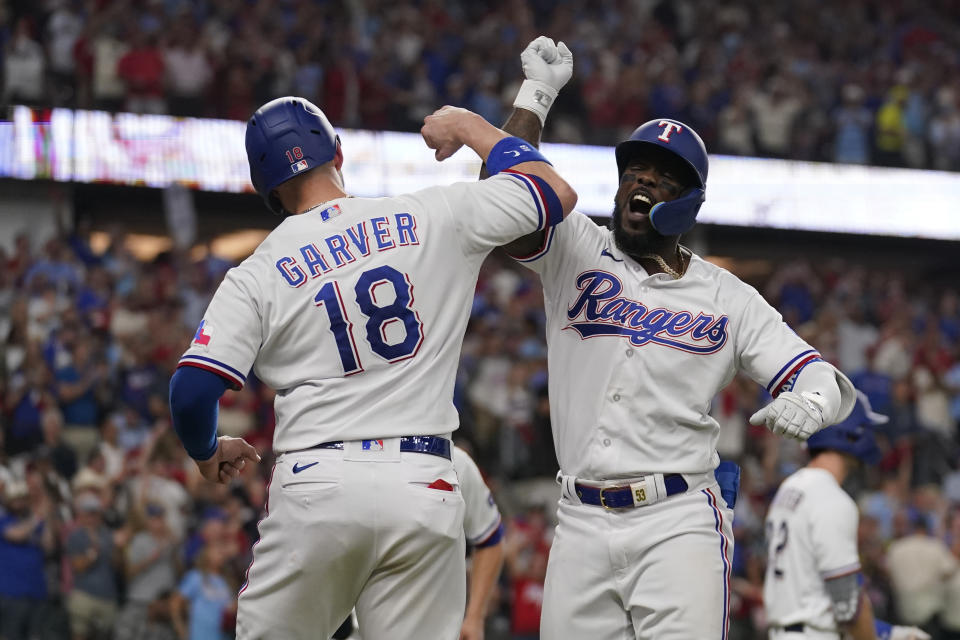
(603, 500)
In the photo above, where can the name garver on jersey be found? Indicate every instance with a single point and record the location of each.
(341, 249)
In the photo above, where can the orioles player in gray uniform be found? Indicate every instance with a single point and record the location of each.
(641, 335)
(354, 310)
(813, 584)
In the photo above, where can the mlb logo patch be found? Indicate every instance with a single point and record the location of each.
(297, 167)
(202, 337)
(373, 445)
(330, 212)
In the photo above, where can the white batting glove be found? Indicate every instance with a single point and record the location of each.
(547, 67)
(795, 415)
(908, 633)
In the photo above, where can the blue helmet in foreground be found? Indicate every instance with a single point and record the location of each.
(854, 435)
(677, 216)
(285, 138)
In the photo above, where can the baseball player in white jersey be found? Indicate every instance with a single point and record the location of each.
(354, 310)
(641, 334)
(813, 584)
(483, 529)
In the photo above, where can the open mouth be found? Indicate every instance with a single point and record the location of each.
(640, 202)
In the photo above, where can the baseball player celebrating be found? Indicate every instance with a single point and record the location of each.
(641, 334)
(813, 584)
(354, 310)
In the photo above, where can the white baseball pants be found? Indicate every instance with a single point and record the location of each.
(344, 533)
(658, 572)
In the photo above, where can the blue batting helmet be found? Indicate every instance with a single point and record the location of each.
(285, 138)
(854, 435)
(677, 216)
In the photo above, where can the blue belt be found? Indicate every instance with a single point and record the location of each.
(621, 497)
(432, 445)
(797, 627)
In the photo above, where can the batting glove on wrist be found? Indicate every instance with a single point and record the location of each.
(547, 67)
(907, 633)
(795, 415)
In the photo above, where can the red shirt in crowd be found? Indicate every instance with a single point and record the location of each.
(143, 71)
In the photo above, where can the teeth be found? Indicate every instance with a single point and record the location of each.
(642, 198)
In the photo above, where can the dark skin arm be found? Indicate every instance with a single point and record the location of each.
(523, 124)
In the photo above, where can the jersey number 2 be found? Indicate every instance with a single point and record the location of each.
(783, 534)
(379, 317)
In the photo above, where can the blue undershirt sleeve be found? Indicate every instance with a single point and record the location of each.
(194, 403)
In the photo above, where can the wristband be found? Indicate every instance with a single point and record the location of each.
(882, 629)
(536, 96)
(512, 151)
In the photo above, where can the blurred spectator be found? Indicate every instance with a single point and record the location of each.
(28, 395)
(64, 27)
(77, 385)
(950, 614)
(891, 131)
(24, 66)
(155, 624)
(189, 72)
(944, 130)
(852, 122)
(774, 109)
(203, 598)
(526, 549)
(735, 134)
(151, 567)
(143, 72)
(155, 484)
(27, 533)
(920, 567)
(107, 49)
(62, 456)
(92, 551)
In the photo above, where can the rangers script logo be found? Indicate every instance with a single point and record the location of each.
(606, 314)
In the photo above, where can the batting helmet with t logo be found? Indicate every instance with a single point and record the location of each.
(679, 215)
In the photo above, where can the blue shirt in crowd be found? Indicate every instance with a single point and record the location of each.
(21, 564)
(208, 595)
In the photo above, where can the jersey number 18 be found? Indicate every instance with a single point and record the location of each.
(378, 317)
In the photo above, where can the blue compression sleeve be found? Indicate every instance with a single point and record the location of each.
(194, 403)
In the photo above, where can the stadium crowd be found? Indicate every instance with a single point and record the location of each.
(865, 81)
(105, 521)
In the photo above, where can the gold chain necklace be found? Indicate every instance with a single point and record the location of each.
(676, 275)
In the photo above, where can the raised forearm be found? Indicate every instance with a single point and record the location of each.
(523, 124)
(18, 533)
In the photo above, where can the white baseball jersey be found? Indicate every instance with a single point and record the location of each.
(355, 311)
(481, 519)
(635, 359)
(811, 532)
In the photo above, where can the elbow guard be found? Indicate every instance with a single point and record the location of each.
(844, 592)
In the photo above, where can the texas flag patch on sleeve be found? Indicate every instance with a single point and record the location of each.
(202, 337)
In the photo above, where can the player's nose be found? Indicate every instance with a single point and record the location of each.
(647, 177)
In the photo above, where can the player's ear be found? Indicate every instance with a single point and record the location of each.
(338, 158)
